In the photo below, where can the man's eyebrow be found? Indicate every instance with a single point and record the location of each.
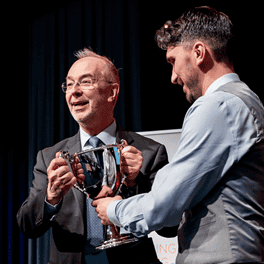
(80, 77)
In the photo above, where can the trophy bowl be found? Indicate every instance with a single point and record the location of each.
(97, 174)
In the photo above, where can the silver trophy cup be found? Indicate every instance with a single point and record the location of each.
(96, 176)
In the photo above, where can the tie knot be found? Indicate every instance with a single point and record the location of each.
(95, 141)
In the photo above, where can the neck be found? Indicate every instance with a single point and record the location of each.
(219, 70)
(95, 127)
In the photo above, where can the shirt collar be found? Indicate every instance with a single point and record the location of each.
(108, 136)
(232, 77)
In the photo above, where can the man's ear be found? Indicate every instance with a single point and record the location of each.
(199, 51)
(115, 89)
(202, 56)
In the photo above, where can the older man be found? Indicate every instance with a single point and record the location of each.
(92, 88)
(216, 176)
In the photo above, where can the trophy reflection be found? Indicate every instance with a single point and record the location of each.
(99, 174)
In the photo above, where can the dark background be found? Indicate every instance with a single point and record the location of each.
(35, 116)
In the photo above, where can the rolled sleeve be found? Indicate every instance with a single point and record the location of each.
(111, 213)
(124, 214)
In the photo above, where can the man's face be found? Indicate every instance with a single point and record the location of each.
(184, 72)
(87, 106)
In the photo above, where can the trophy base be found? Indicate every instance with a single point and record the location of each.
(114, 242)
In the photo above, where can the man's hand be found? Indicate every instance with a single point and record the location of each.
(132, 161)
(101, 208)
(61, 179)
(78, 170)
(105, 192)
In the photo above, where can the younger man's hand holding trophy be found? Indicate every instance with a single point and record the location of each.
(131, 163)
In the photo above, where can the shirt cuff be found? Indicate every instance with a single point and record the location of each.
(111, 213)
(51, 210)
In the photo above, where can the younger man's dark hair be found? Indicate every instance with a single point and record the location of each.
(200, 23)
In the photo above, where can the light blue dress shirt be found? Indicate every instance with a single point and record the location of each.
(108, 136)
(217, 127)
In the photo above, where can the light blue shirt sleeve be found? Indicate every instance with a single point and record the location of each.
(217, 131)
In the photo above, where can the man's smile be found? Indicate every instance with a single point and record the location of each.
(79, 105)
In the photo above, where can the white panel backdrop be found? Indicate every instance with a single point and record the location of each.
(166, 248)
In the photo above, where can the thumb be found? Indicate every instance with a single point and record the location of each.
(105, 192)
(125, 143)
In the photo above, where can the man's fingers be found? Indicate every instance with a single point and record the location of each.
(78, 170)
(62, 170)
(60, 179)
(76, 159)
(101, 208)
(80, 174)
(66, 178)
(105, 192)
(130, 149)
(56, 163)
(80, 178)
(64, 183)
(68, 185)
(125, 143)
(77, 166)
(95, 203)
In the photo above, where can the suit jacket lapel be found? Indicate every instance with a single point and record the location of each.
(123, 134)
(74, 146)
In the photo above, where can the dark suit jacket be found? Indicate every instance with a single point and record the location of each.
(69, 225)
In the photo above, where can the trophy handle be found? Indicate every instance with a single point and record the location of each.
(71, 159)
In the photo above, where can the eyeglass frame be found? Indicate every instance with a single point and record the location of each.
(82, 87)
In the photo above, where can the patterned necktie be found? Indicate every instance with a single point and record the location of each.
(96, 142)
(94, 226)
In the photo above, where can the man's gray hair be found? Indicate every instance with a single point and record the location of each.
(88, 52)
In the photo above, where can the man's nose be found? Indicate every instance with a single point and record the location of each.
(76, 90)
(174, 78)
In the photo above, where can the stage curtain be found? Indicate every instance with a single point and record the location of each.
(36, 116)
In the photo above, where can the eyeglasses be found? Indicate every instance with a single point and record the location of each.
(85, 84)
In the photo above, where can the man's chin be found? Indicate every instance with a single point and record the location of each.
(190, 98)
(81, 118)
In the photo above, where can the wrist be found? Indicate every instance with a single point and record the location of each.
(130, 182)
(53, 200)
(51, 210)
